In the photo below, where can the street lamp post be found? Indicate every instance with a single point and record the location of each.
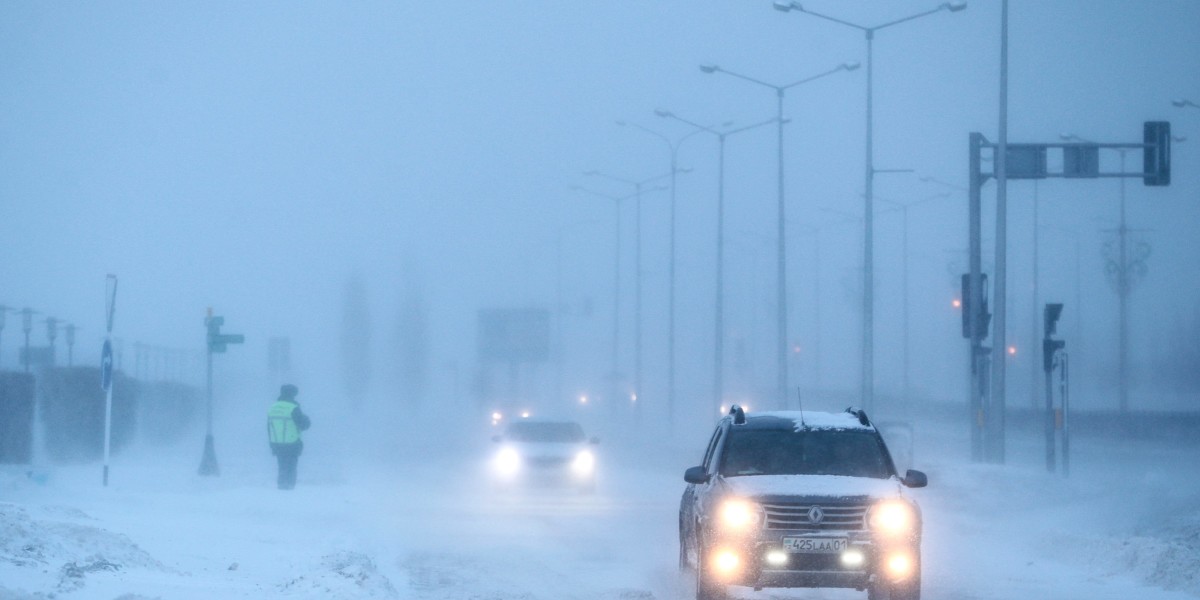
(781, 254)
(868, 361)
(26, 327)
(719, 345)
(637, 280)
(52, 335)
(4, 310)
(673, 147)
(71, 329)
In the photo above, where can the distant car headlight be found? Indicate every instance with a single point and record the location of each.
(737, 514)
(893, 517)
(507, 462)
(584, 463)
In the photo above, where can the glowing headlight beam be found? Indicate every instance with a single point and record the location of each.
(739, 514)
(507, 462)
(892, 517)
(584, 463)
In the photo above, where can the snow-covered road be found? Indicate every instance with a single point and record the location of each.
(431, 529)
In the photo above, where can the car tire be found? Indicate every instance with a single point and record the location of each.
(706, 587)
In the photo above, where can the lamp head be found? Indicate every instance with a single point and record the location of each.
(709, 68)
(664, 113)
(850, 66)
(1180, 102)
(621, 123)
(955, 6)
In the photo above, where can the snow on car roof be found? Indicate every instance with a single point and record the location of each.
(812, 419)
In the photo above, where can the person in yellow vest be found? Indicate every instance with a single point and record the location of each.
(285, 421)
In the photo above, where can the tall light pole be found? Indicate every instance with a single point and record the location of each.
(26, 327)
(868, 360)
(52, 335)
(781, 254)
(719, 336)
(616, 340)
(4, 310)
(903, 208)
(673, 147)
(638, 186)
(71, 328)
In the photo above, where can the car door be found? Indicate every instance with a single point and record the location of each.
(687, 505)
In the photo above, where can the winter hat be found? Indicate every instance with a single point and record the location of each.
(288, 391)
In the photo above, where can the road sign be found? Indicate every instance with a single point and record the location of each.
(106, 366)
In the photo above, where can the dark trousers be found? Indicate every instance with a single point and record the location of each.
(288, 455)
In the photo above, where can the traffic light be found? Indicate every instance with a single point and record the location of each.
(1156, 156)
(1049, 347)
(1050, 318)
(985, 318)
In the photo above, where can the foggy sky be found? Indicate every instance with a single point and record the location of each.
(253, 157)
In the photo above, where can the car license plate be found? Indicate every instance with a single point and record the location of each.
(815, 545)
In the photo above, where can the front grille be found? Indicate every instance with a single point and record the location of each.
(836, 517)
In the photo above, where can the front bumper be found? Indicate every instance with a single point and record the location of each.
(763, 561)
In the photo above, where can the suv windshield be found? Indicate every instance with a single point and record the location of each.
(811, 452)
(527, 431)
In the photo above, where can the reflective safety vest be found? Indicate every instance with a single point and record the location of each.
(281, 428)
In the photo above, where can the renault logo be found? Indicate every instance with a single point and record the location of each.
(815, 515)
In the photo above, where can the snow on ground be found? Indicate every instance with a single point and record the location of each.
(1126, 524)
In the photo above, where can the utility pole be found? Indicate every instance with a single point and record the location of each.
(26, 327)
(106, 365)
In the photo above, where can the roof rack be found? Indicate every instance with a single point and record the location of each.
(860, 414)
(738, 414)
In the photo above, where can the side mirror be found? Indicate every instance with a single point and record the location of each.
(696, 475)
(915, 479)
(594, 440)
(496, 438)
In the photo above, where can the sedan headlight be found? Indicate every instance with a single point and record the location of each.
(737, 514)
(893, 517)
(584, 463)
(507, 462)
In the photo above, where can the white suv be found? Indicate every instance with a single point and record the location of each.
(800, 499)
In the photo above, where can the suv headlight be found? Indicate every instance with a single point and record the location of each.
(892, 517)
(737, 514)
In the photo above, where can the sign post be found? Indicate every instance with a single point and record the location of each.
(106, 365)
(216, 343)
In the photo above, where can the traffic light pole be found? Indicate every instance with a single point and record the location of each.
(208, 464)
(1050, 347)
(972, 302)
(1026, 161)
(216, 342)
